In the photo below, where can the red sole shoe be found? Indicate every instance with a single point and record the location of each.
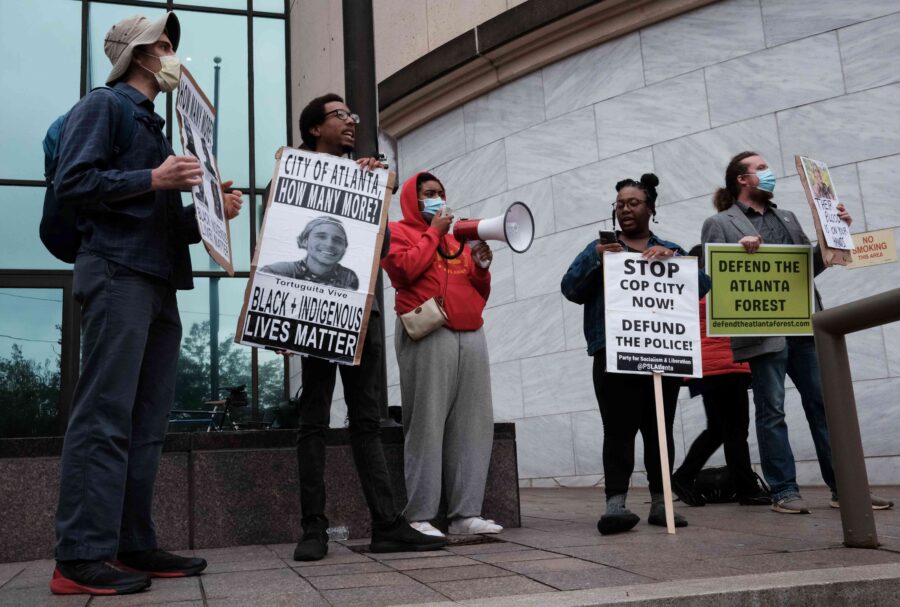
(63, 585)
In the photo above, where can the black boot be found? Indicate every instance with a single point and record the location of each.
(758, 495)
(685, 491)
(617, 522)
(400, 537)
(658, 512)
(313, 546)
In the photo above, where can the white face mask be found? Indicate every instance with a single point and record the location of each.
(169, 72)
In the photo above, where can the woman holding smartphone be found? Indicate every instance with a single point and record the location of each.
(627, 403)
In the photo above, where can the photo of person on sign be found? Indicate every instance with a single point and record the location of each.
(325, 242)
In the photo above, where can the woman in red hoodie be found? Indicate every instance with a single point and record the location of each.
(724, 388)
(445, 381)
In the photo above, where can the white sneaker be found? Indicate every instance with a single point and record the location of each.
(426, 528)
(474, 525)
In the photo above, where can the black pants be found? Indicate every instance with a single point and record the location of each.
(361, 393)
(727, 422)
(627, 405)
(131, 335)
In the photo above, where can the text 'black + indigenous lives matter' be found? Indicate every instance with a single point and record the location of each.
(297, 315)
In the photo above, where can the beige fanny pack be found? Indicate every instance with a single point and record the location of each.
(424, 320)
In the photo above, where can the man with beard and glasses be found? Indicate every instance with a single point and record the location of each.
(748, 216)
(328, 127)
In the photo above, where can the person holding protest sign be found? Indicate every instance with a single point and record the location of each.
(748, 216)
(325, 241)
(132, 258)
(627, 402)
(445, 381)
(724, 389)
(328, 127)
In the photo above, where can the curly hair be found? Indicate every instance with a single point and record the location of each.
(312, 116)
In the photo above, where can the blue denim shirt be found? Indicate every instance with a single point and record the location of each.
(119, 217)
(583, 284)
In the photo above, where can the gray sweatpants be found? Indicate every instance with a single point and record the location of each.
(448, 419)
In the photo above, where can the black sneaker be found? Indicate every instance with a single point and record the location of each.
(400, 537)
(159, 563)
(95, 577)
(686, 493)
(313, 546)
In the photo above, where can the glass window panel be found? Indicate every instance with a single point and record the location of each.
(235, 4)
(41, 77)
(269, 95)
(260, 212)
(30, 334)
(192, 385)
(271, 381)
(204, 37)
(21, 209)
(101, 18)
(269, 6)
(240, 242)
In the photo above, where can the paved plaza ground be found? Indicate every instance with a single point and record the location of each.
(728, 555)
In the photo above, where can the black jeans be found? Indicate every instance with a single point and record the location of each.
(361, 393)
(131, 335)
(628, 405)
(727, 422)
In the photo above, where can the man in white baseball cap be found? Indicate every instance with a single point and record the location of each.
(118, 171)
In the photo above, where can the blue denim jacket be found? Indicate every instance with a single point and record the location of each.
(119, 217)
(583, 284)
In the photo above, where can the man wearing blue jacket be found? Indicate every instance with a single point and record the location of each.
(132, 258)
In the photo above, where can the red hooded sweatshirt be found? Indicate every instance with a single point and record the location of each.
(418, 272)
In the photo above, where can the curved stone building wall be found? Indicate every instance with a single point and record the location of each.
(678, 98)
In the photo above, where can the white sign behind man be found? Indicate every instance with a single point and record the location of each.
(196, 118)
(652, 315)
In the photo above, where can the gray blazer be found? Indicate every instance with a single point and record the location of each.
(729, 226)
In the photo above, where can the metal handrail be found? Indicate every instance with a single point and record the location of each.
(830, 327)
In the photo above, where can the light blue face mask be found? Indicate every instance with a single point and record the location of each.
(766, 180)
(433, 205)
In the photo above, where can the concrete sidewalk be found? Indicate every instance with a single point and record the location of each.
(729, 555)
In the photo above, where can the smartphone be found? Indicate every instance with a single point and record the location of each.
(608, 237)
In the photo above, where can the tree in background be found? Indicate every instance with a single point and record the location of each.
(29, 396)
(192, 379)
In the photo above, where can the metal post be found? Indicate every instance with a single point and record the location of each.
(362, 97)
(214, 280)
(830, 327)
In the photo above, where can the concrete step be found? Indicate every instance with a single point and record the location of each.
(863, 586)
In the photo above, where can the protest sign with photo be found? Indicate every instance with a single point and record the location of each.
(314, 270)
(196, 120)
(873, 248)
(769, 292)
(832, 233)
(652, 315)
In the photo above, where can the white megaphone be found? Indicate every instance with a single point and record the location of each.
(515, 227)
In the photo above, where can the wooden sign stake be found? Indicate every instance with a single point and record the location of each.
(664, 452)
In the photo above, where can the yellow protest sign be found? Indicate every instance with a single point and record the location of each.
(769, 292)
(873, 248)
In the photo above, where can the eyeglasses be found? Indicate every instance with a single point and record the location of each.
(631, 203)
(343, 115)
